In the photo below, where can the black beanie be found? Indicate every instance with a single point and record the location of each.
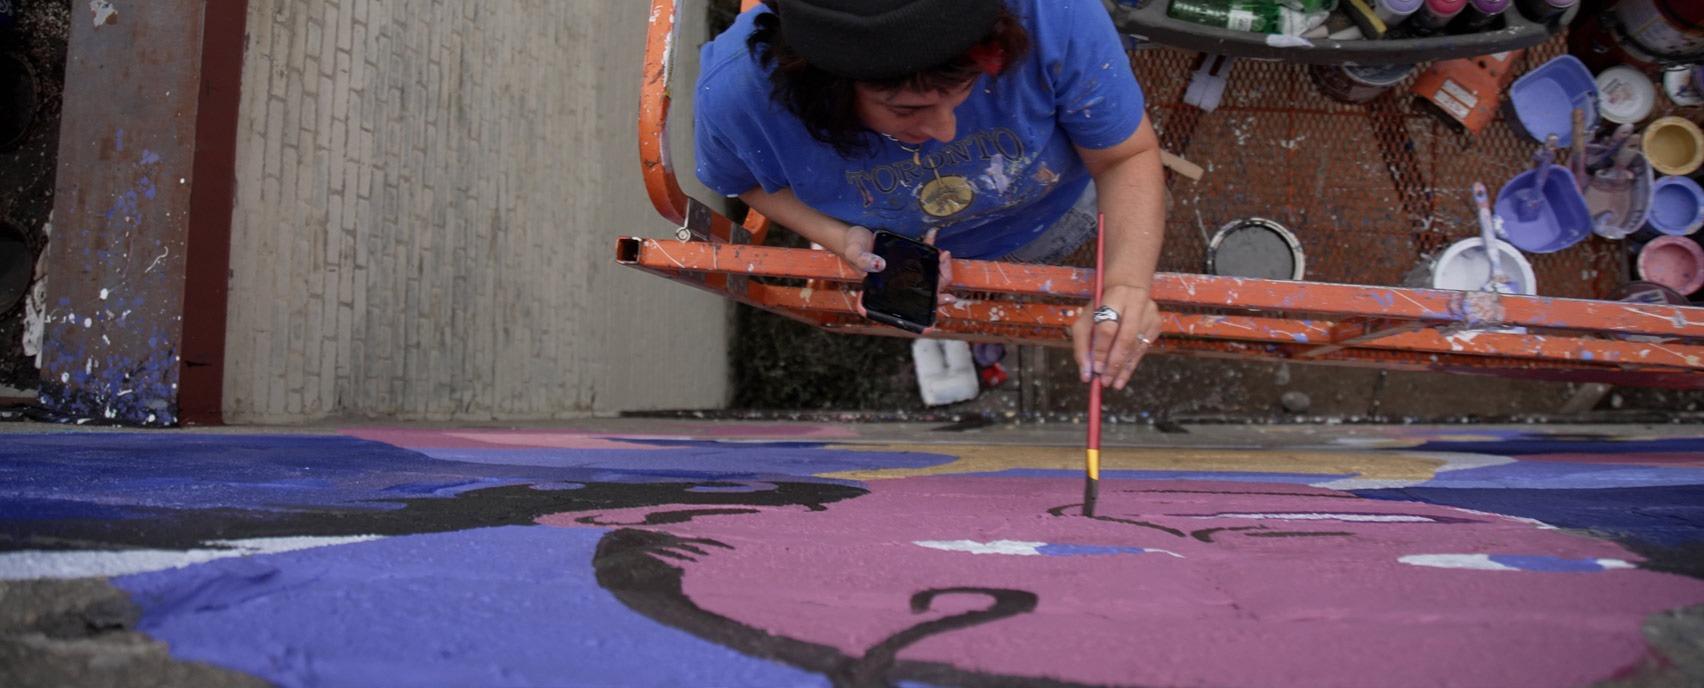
(872, 40)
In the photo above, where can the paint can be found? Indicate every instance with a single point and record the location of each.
(1674, 145)
(1649, 293)
(1625, 95)
(16, 266)
(1351, 83)
(1677, 206)
(1684, 85)
(19, 100)
(1674, 262)
(1465, 266)
(1433, 16)
(1395, 12)
(1257, 248)
(1479, 15)
(1671, 29)
(1545, 10)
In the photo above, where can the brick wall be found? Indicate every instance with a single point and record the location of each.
(428, 196)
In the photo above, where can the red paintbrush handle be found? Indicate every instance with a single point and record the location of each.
(1095, 382)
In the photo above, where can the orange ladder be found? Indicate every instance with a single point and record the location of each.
(1385, 327)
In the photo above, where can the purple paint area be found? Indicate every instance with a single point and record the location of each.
(1561, 475)
(80, 475)
(1549, 564)
(1279, 572)
(514, 606)
(1667, 516)
(1056, 550)
(1522, 445)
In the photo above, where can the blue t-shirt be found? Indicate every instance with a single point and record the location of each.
(1010, 173)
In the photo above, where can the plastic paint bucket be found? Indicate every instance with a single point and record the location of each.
(1677, 206)
(1618, 212)
(1257, 248)
(1625, 96)
(15, 266)
(1674, 262)
(1351, 83)
(1544, 99)
(1669, 28)
(1674, 145)
(1559, 220)
(1465, 266)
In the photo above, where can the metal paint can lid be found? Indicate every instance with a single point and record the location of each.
(1625, 96)
(1256, 248)
(1379, 74)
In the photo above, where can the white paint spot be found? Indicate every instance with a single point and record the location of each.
(103, 294)
(1474, 562)
(103, 11)
(1022, 548)
(1278, 41)
(88, 322)
(32, 564)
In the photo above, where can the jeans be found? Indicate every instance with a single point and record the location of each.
(1067, 234)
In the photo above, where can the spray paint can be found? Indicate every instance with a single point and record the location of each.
(1433, 16)
(1394, 12)
(1669, 28)
(1479, 15)
(1544, 10)
(1352, 83)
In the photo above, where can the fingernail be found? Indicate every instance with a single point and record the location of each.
(951, 299)
(1084, 373)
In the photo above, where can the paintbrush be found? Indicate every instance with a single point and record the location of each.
(1091, 481)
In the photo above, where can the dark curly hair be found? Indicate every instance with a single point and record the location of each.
(827, 104)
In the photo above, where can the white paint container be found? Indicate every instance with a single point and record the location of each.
(1257, 248)
(1625, 96)
(946, 372)
(1465, 266)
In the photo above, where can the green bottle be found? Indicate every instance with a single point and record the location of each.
(1258, 16)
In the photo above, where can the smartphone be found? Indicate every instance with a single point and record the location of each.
(903, 294)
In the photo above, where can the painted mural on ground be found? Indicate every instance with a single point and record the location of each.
(547, 558)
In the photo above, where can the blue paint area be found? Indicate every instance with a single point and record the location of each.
(1665, 516)
(1529, 562)
(512, 606)
(1562, 475)
(1524, 444)
(74, 474)
(1228, 476)
(1058, 550)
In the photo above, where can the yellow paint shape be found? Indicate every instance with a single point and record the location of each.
(988, 459)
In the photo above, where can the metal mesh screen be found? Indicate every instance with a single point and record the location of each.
(1370, 190)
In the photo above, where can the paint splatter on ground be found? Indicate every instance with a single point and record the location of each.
(808, 555)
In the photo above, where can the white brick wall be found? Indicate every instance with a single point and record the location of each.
(429, 192)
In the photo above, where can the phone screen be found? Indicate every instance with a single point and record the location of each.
(905, 290)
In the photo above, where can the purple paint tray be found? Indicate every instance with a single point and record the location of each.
(1559, 220)
(1544, 99)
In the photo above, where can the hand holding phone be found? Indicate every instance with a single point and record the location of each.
(903, 294)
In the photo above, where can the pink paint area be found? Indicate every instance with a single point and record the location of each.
(1674, 262)
(1445, 8)
(1187, 583)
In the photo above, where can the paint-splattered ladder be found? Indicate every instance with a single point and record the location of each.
(1396, 328)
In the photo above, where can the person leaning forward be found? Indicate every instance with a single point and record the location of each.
(996, 129)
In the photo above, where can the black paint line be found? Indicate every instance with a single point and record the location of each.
(664, 518)
(1264, 494)
(1291, 533)
(627, 564)
(1206, 534)
(1060, 511)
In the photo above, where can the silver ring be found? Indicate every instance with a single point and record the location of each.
(1105, 314)
(1145, 341)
